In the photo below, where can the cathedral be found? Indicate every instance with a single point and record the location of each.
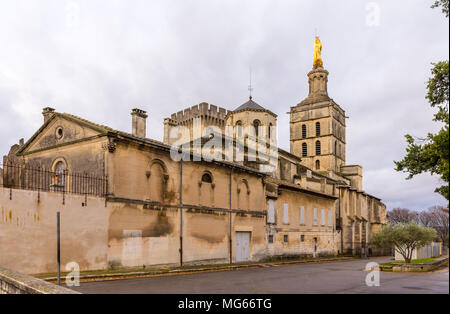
(166, 211)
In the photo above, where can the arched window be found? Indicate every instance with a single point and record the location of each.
(303, 131)
(304, 150)
(157, 181)
(206, 177)
(239, 128)
(318, 148)
(317, 164)
(317, 128)
(60, 173)
(243, 191)
(256, 126)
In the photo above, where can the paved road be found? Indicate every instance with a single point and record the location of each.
(335, 277)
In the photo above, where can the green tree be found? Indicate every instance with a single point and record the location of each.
(443, 4)
(431, 154)
(404, 237)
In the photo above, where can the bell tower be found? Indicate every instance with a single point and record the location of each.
(317, 124)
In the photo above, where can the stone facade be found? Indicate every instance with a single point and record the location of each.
(309, 204)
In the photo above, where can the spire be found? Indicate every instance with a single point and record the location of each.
(317, 78)
(250, 88)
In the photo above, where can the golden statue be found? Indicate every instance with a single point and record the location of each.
(318, 63)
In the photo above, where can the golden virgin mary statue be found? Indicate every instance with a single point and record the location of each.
(317, 51)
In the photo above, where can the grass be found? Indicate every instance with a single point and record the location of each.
(414, 261)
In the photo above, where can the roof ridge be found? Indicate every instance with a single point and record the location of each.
(90, 122)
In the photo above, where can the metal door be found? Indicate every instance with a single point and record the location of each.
(242, 246)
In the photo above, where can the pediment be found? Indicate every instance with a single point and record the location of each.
(57, 131)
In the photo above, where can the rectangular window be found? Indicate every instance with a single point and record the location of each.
(302, 238)
(271, 214)
(302, 215)
(286, 214)
(270, 238)
(330, 217)
(322, 218)
(286, 238)
(315, 217)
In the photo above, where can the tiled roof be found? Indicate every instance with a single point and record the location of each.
(250, 105)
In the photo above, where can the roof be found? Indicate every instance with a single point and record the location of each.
(251, 105)
(102, 129)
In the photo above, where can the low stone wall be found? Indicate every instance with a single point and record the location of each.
(12, 282)
(439, 262)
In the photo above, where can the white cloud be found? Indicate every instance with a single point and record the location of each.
(99, 59)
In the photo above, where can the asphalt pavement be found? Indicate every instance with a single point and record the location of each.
(332, 277)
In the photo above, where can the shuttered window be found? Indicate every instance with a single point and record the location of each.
(271, 214)
(315, 217)
(322, 218)
(286, 213)
(302, 215)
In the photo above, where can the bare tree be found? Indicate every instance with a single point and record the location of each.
(425, 218)
(438, 217)
(402, 215)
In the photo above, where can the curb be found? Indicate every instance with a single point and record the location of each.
(125, 275)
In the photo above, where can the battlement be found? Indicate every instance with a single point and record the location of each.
(203, 110)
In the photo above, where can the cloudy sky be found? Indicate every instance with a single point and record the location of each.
(99, 59)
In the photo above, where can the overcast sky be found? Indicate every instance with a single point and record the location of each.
(99, 59)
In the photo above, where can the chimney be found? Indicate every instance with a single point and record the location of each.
(47, 112)
(138, 123)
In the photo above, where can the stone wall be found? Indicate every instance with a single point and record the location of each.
(12, 282)
(100, 234)
(437, 263)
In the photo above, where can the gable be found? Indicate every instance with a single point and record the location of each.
(59, 130)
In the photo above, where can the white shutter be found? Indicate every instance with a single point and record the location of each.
(302, 215)
(315, 217)
(286, 213)
(330, 217)
(271, 215)
(322, 218)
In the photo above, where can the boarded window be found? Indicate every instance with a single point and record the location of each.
(322, 218)
(286, 214)
(271, 215)
(315, 217)
(302, 215)
(330, 217)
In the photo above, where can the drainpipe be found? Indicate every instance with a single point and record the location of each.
(231, 216)
(340, 220)
(181, 211)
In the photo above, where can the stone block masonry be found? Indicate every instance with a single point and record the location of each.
(12, 282)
